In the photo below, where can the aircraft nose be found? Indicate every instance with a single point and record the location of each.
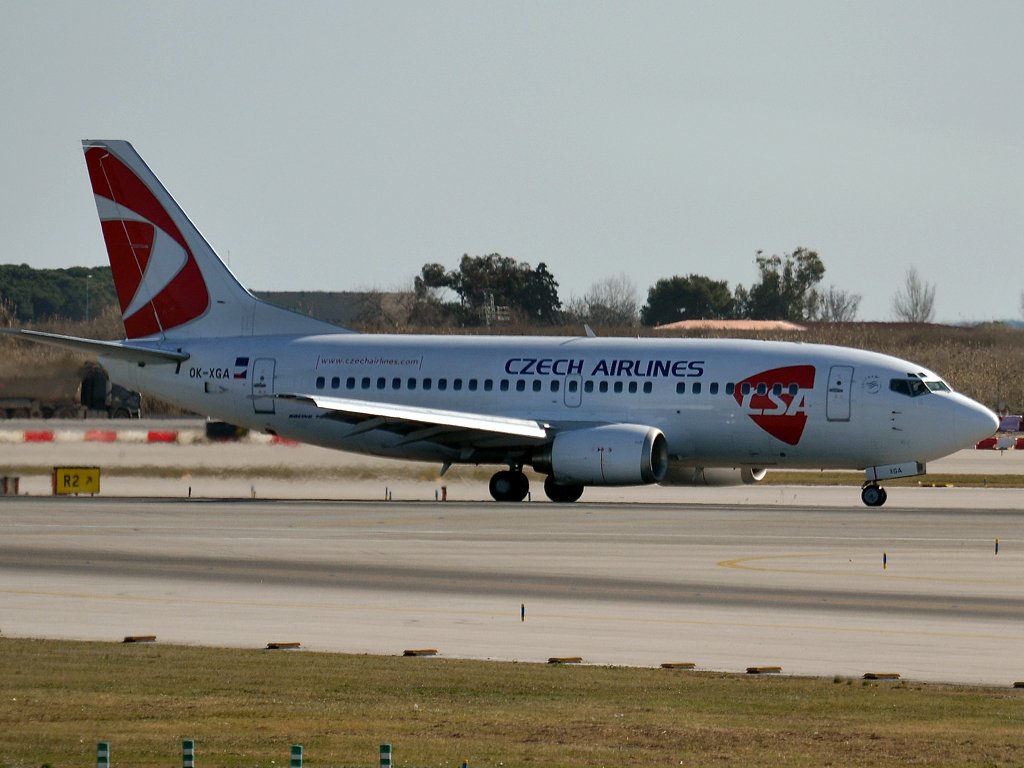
(973, 422)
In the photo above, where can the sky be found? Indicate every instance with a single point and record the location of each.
(341, 146)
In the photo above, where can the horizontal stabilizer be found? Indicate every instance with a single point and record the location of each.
(416, 415)
(114, 349)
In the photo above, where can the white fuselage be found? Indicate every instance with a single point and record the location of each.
(817, 407)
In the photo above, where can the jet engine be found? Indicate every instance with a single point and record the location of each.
(614, 454)
(679, 474)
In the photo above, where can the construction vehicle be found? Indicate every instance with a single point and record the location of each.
(68, 393)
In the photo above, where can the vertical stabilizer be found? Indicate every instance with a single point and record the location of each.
(170, 282)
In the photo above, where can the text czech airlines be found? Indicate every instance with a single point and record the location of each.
(546, 366)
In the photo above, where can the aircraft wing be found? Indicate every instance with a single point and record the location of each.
(115, 349)
(416, 423)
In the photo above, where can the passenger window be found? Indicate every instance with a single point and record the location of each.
(680, 387)
(695, 388)
(588, 386)
(745, 389)
(320, 381)
(632, 387)
(762, 388)
(457, 385)
(603, 386)
(554, 385)
(573, 386)
(648, 387)
(713, 389)
(472, 385)
(488, 385)
(381, 382)
(793, 389)
(350, 382)
(618, 386)
(730, 388)
(428, 383)
(335, 382)
(504, 385)
(537, 385)
(776, 389)
(442, 384)
(366, 382)
(411, 383)
(521, 386)
(396, 383)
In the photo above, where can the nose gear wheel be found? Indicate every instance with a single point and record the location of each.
(873, 495)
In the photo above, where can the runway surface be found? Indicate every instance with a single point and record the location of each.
(725, 586)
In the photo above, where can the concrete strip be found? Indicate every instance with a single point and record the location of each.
(800, 588)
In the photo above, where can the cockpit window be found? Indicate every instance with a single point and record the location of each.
(938, 386)
(909, 387)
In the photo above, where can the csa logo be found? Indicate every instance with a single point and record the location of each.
(776, 400)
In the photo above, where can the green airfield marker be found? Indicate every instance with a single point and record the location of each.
(188, 753)
(385, 756)
(296, 756)
(103, 754)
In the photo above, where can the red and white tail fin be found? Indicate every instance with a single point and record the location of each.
(170, 282)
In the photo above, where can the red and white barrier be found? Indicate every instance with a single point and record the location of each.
(137, 436)
(1001, 444)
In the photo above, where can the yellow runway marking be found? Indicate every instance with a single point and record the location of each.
(741, 564)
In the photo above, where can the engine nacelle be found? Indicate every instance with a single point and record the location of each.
(614, 454)
(680, 474)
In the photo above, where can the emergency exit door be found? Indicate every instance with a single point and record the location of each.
(263, 385)
(837, 406)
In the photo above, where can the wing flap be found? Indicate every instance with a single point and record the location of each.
(414, 415)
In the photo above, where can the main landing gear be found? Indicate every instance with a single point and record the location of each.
(513, 485)
(873, 495)
(509, 485)
(563, 494)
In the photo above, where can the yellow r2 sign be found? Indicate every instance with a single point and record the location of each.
(68, 480)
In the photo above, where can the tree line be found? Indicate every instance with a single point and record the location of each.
(75, 293)
(488, 289)
(484, 290)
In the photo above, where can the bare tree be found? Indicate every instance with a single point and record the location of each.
(609, 302)
(915, 301)
(836, 306)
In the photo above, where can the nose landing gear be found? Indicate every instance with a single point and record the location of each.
(509, 485)
(873, 495)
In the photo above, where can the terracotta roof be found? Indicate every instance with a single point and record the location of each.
(733, 325)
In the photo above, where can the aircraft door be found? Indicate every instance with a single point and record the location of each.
(263, 384)
(573, 391)
(837, 406)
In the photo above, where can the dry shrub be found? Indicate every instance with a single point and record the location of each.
(28, 360)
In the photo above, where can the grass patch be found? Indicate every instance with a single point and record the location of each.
(418, 472)
(288, 472)
(244, 708)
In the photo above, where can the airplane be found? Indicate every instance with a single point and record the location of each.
(581, 410)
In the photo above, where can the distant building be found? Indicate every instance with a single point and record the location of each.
(339, 307)
(732, 325)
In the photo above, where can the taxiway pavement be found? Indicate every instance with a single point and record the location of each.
(726, 586)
